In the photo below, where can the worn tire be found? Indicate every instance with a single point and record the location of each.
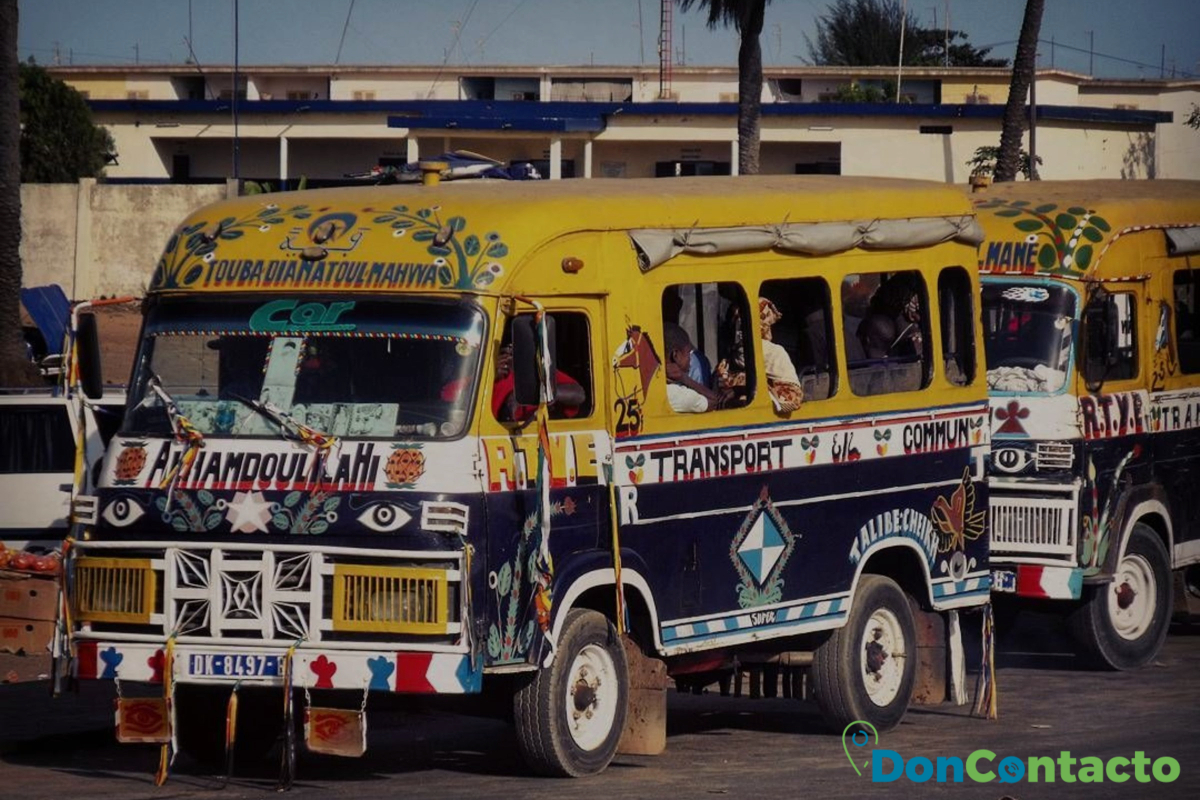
(1122, 625)
(569, 716)
(865, 670)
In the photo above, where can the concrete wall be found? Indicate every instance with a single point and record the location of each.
(101, 240)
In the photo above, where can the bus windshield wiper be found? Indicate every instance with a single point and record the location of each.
(289, 427)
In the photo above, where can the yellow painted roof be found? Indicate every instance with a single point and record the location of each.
(393, 238)
(1063, 227)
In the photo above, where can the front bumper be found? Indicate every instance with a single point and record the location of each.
(1038, 581)
(312, 667)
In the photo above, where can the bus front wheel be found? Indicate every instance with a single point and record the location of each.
(569, 716)
(1122, 624)
(865, 670)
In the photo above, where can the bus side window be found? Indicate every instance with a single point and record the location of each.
(1124, 337)
(958, 329)
(801, 325)
(886, 314)
(716, 318)
(1187, 320)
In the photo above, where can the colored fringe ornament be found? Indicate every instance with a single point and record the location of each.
(166, 753)
(231, 711)
(287, 765)
(985, 683)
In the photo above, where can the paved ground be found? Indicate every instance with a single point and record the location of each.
(716, 746)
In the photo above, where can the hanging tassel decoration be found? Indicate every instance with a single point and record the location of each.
(287, 765)
(166, 753)
(985, 683)
(231, 711)
(622, 610)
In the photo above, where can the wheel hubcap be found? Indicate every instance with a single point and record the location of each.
(883, 657)
(591, 697)
(1132, 599)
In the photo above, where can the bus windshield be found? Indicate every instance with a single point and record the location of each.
(334, 366)
(1027, 336)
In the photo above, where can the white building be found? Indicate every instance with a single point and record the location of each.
(178, 123)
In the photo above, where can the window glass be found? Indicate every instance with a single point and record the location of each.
(958, 329)
(363, 368)
(573, 372)
(37, 438)
(1122, 307)
(706, 346)
(795, 317)
(1187, 320)
(1028, 335)
(886, 325)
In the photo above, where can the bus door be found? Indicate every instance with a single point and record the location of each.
(521, 580)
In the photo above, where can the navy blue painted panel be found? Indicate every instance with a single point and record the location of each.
(482, 115)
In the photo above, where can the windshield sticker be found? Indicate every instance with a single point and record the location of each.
(1026, 294)
(193, 258)
(292, 315)
(1055, 241)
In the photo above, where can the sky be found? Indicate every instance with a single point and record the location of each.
(1126, 38)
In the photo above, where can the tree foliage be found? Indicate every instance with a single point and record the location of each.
(15, 368)
(59, 141)
(865, 33)
(746, 17)
(984, 161)
(1193, 120)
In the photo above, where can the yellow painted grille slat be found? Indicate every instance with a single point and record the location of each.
(389, 599)
(114, 589)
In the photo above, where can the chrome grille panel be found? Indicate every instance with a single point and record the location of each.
(1055, 456)
(1037, 525)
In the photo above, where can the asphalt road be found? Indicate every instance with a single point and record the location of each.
(716, 746)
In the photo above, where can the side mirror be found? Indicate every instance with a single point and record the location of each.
(87, 356)
(1098, 337)
(526, 381)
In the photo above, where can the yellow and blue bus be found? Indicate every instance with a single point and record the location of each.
(532, 439)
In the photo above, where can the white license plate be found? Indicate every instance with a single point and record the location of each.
(1004, 580)
(232, 665)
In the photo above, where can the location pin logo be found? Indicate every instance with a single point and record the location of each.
(855, 735)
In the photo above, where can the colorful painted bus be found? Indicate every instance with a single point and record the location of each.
(536, 440)
(1093, 347)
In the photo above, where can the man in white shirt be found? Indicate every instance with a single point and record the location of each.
(684, 393)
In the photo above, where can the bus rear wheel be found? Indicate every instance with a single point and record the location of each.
(865, 670)
(569, 716)
(1122, 624)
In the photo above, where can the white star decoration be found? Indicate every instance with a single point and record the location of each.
(248, 512)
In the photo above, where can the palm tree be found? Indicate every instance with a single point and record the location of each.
(14, 366)
(1009, 159)
(746, 16)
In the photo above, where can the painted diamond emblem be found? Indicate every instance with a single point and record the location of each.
(761, 548)
(242, 596)
(760, 552)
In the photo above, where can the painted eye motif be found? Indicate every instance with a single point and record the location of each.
(122, 512)
(384, 517)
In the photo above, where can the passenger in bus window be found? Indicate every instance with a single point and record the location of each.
(699, 369)
(730, 372)
(783, 383)
(892, 326)
(684, 393)
(570, 395)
